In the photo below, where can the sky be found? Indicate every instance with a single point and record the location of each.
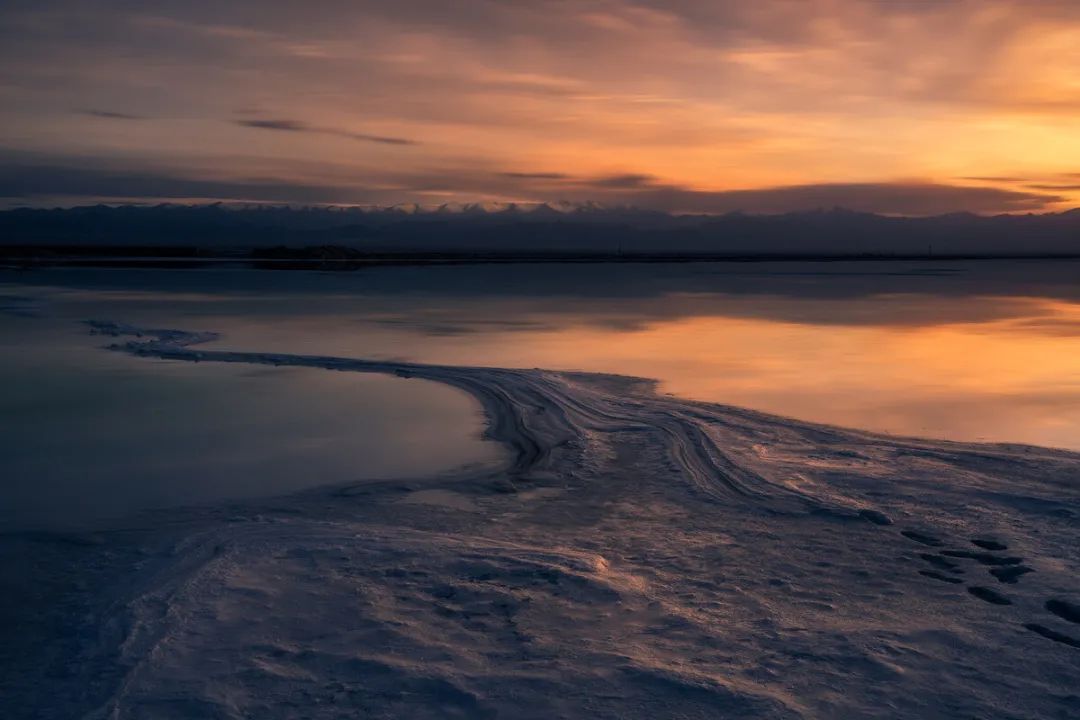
(689, 106)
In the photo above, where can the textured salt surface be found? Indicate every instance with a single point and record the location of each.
(638, 556)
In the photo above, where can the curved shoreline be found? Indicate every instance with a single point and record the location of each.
(536, 413)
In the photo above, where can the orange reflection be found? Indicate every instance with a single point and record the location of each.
(1010, 379)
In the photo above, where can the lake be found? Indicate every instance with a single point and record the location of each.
(985, 351)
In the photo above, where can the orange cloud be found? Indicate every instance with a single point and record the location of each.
(709, 96)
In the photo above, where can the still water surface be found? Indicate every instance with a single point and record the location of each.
(964, 351)
(89, 436)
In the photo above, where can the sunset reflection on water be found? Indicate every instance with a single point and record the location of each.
(963, 352)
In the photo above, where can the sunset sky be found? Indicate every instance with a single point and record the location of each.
(893, 106)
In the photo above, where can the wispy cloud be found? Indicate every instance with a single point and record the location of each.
(287, 125)
(302, 127)
(536, 175)
(994, 178)
(628, 181)
(110, 114)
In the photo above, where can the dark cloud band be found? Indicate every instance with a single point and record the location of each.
(32, 179)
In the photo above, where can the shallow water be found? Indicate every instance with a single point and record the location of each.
(91, 435)
(976, 351)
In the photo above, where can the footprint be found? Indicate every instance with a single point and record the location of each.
(987, 544)
(921, 538)
(1064, 610)
(984, 558)
(941, 563)
(1005, 568)
(1010, 573)
(1053, 635)
(939, 576)
(991, 596)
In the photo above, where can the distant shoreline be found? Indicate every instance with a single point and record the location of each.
(14, 257)
(622, 235)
